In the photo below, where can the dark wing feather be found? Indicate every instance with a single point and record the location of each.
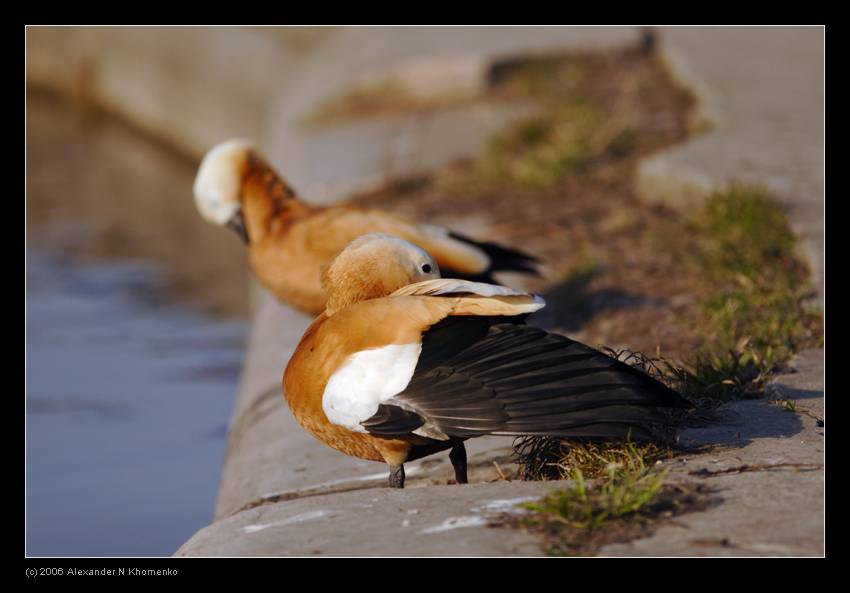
(393, 420)
(501, 259)
(479, 375)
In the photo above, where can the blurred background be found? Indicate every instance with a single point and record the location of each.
(138, 312)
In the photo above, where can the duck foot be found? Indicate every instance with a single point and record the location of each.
(397, 476)
(458, 459)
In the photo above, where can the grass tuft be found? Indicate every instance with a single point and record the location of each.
(625, 486)
(551, 458)
(756, 310)
(542, 150)
(591, 109)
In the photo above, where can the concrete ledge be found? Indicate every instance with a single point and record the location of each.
(762, 464)
(433, 521)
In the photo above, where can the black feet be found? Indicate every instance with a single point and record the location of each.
(396, 476)
(458, 459)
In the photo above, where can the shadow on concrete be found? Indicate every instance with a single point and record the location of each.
(741, 423)
(573, 303)
(788, 392)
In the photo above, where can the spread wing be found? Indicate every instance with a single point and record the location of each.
(480, 375)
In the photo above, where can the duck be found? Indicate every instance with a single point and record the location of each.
(404, 363)
(290, 242)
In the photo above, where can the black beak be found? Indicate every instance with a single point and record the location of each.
(237, 223)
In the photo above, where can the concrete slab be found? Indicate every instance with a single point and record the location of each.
(411, 54)
(767, 465)
(433, 521)
(804, 385)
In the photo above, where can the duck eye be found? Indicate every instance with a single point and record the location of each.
(426, 268)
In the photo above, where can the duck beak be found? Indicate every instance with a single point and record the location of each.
(237, 223)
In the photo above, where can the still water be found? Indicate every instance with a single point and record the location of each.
(128, 399)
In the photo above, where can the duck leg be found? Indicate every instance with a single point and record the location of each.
(397, 476)
(458, 459)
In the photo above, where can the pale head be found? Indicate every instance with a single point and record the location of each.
(374, 266)
(219, 181)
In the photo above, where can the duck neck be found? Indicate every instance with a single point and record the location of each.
(268, 203)
(347, 286)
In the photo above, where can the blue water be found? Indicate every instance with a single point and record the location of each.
(128, 397)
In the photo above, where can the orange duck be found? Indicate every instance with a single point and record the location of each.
(403, 364)
(289, 242)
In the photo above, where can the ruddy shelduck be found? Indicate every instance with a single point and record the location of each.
(289, 241)
(403, 363)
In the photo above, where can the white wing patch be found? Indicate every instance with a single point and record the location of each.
(368, 378)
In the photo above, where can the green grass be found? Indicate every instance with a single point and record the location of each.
(551, 458)
(625, 501)
(591, 108)
(756, 307)
(544, 149)
(753, 307)
(753, 310)
(625, 487)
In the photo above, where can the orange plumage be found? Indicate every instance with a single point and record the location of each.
(289, 242)
(403, 364)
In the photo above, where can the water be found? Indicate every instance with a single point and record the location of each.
(128, 399)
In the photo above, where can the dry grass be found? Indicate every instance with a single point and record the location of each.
(546, 458)
(625, 499)
(581, 521)
(388, 97)
(594, 108)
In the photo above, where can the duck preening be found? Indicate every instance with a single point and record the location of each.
(289, 241)
(403, 364)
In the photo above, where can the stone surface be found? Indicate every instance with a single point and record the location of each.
(761, 91)
(353, 55)
(803, 386)
(195, 86)
(368, 153)
(774, 504)
(432, 521)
